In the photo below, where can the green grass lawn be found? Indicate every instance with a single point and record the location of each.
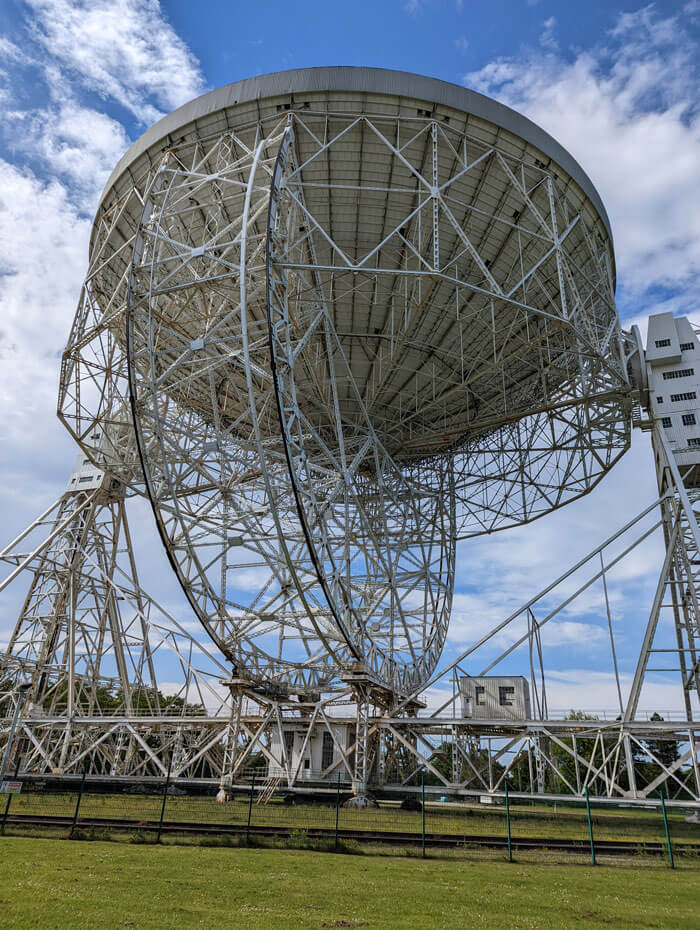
(61, 884)
(541, 821)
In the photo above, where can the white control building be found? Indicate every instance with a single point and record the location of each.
(313, 754)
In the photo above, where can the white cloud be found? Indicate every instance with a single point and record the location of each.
(547, 38)
(462, 45)
(474, 615)
(596, 692)
(9, 51)
(627, 110)
(125, 51)
(74, 143)
(213, 695)
(59, 156)
(43, 251)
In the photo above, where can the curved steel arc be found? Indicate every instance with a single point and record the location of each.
(280, 164)
(140, 444)
(317, 667)
(390, 557)
(253, 401)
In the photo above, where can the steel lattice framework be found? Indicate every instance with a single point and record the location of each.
(333, 322)
(479, 343)
(407, 335)
(86, 646)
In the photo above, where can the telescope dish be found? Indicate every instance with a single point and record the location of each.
(205, 412)
(368, 314)
(194, 344)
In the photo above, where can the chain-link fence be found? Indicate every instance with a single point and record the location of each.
(267, 809)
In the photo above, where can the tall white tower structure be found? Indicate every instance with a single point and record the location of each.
(669, 382)
(673, 373)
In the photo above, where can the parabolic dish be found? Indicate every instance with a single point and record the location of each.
(369, 313)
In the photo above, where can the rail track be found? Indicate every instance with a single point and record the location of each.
(390, 838)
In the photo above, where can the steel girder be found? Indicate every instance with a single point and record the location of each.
(86, 645)
(503, 326)
(530, 413)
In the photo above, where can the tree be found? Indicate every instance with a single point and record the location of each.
(104, 700)
(7, 705)
(441, 759)
(663, 753)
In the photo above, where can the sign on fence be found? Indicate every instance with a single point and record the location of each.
(10, 787)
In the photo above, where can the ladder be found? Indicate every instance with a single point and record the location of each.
(271, 785)
(641, 419)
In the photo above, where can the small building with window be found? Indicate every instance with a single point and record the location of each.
(314, 754)
(494, 697)
(87, 476)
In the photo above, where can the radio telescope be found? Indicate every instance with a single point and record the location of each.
(367, 314)
(335, 321)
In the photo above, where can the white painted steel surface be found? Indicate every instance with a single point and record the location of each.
(409, 336)
(462, 269)
(494, 697)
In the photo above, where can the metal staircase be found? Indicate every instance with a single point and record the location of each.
(271, 785)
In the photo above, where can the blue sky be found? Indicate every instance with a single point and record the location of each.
(615, 83)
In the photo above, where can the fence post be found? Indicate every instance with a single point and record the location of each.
(250, 810)
(7, 806)
(668, 835)
(165, 798)
(422, 812)
(77, 803)
(337, 811)
(590, 826)
(510, 848)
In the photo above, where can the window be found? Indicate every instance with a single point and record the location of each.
(681, 373)
(289, 742)
(479, 694)
(327, 751)
(687, 395)
(307, 763)
(659, 400)
(86, 478)
(687, 346)
(505, 696)
(666, 422)
(688, 419)
(694, 442)
(662, 343)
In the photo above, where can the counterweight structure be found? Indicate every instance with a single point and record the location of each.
(334, 322)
